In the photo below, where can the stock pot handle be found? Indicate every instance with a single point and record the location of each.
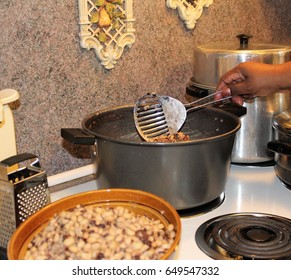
(77, 136)
(280, 147)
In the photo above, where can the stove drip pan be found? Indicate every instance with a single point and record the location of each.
(246, 236)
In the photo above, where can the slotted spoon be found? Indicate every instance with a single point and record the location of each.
(156, 115)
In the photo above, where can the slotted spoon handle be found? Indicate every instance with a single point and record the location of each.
(191, 106)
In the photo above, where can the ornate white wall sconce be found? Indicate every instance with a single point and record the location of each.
(189, 10)
(106, 27)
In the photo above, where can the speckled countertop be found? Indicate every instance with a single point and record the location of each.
(60, 83)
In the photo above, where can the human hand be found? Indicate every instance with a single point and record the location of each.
(247, 81)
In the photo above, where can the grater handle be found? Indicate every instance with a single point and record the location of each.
(21, 157)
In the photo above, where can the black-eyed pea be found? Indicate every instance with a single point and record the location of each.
(114, 231)
(107, 253)
(69, 241)
(92, 238)
(114, 246)
(129, 232)
(127, 216)
(156, 243)
(137, 245)
(119, 211)
(166, 246)
(85, 256)
(133, 227)
(147, 255)
(98, 210)
(105, 214)
(160, 226)
(74, 218)
(56, 237)
(151, 238)
(144, 248)
(85, 235)
(120, 220)
(118, 256)
(96, 247)
(109, 238)
(83, 222)
(80, 244)
(124, 247)
(172, 234)
(119, 237)
(43, 247)
(128, 256)
(73, 248)
(170, 227)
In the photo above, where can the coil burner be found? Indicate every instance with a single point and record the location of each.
(246, 236)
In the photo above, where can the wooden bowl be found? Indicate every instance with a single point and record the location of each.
(137, 201)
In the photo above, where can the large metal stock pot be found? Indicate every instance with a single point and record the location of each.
(186, 174)
(211, 61)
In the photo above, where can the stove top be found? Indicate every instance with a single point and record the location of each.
(250, 191)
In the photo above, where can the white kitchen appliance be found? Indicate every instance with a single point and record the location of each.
(7, 129)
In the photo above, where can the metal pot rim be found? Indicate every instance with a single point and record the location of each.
(92, 116)
(235, 48)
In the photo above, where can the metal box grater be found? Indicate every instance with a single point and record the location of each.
(23, 191)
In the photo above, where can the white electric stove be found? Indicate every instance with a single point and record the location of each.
(248, 190)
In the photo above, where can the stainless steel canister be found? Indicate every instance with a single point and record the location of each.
(211, 61)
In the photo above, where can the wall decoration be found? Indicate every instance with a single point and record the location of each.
(107, 27)
(189, 10)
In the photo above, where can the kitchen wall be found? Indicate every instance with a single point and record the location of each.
(60, 83)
